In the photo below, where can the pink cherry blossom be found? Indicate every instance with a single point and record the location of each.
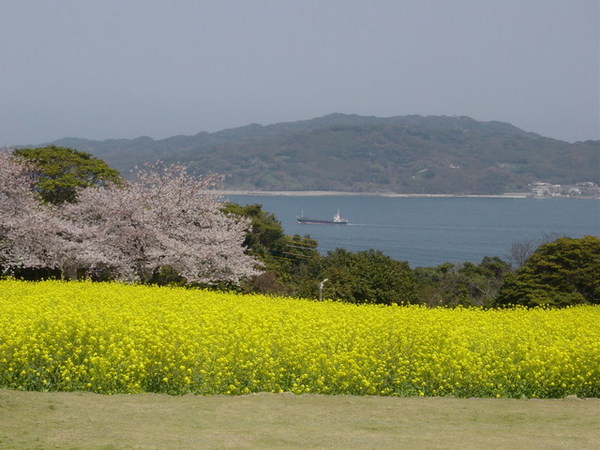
(165, 217)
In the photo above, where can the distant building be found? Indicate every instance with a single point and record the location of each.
(545, 189)
(582, 189)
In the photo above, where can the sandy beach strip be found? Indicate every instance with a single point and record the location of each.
(362, 194)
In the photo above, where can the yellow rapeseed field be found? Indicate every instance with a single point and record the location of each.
(113, 338)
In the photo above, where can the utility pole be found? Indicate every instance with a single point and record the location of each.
(321, 288)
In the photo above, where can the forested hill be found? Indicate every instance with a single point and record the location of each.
(403, 154)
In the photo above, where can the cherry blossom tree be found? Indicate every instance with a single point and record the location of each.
(164, 218)
(32, 235)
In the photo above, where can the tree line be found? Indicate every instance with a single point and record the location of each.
(562, 272)
(68, 214)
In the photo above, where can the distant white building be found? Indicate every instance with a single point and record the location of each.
(583, 189)
(546, 189)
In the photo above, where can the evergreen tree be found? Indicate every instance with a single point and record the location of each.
(59, 172)
(561, 273)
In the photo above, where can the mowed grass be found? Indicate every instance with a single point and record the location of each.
(87, 420)
(112, 338)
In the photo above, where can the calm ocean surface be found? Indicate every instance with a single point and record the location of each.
(431, 231)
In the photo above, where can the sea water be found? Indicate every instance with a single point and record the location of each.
(428, 231)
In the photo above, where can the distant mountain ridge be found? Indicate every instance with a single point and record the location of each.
(342, 152)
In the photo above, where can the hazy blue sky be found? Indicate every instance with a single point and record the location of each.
(125, 68)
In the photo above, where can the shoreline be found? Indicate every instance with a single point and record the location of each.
(514, 195)
(365, 194)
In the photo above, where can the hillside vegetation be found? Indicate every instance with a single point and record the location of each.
(404, 154)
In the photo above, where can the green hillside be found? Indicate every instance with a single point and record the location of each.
(404, 154)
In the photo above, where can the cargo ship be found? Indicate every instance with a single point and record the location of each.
(337, 220)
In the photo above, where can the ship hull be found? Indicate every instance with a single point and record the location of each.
(307, 221)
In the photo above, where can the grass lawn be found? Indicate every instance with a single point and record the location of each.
(68, 420)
